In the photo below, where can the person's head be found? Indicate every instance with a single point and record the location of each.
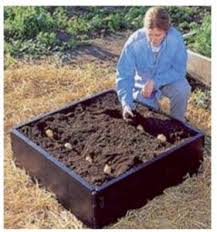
(156, 23)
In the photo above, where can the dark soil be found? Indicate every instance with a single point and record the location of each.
(92, 135)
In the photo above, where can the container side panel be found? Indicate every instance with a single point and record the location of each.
(69, 192)
(135, 190)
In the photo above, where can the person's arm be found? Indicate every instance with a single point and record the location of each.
(125, 76)
(177, 70)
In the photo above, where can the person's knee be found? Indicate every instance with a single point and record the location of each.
(181, 93)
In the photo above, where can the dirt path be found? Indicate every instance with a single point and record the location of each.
(103, 52)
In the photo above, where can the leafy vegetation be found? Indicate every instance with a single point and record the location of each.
(35, 31)
(201, 41)
(187, 18)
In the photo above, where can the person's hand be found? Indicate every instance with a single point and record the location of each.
(148, 88)
(127, 113)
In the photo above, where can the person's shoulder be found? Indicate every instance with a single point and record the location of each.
(174, 37)
(174, 33)
(136, 37)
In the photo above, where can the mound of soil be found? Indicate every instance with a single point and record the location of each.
(93, 140)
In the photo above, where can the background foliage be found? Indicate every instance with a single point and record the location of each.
(35, 31)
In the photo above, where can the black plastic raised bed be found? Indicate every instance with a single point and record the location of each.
(95, 205)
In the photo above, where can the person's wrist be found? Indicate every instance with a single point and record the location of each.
(127, 107)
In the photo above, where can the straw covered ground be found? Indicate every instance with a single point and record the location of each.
(34, 88)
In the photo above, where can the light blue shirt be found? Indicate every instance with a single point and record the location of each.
(137, 64)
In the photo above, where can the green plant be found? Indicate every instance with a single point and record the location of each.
(113, 22)
(9, 61)
(47, 39)
(202, 40)
(77, 25)
(27, 22)
(134, 16)
(61, 18)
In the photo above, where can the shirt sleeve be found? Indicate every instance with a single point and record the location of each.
(176, 70)
(125, 76)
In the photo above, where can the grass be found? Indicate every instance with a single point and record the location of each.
(31, 90)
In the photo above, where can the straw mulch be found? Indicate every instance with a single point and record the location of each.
(31, 90)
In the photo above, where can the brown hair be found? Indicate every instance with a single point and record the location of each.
(157, 17)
